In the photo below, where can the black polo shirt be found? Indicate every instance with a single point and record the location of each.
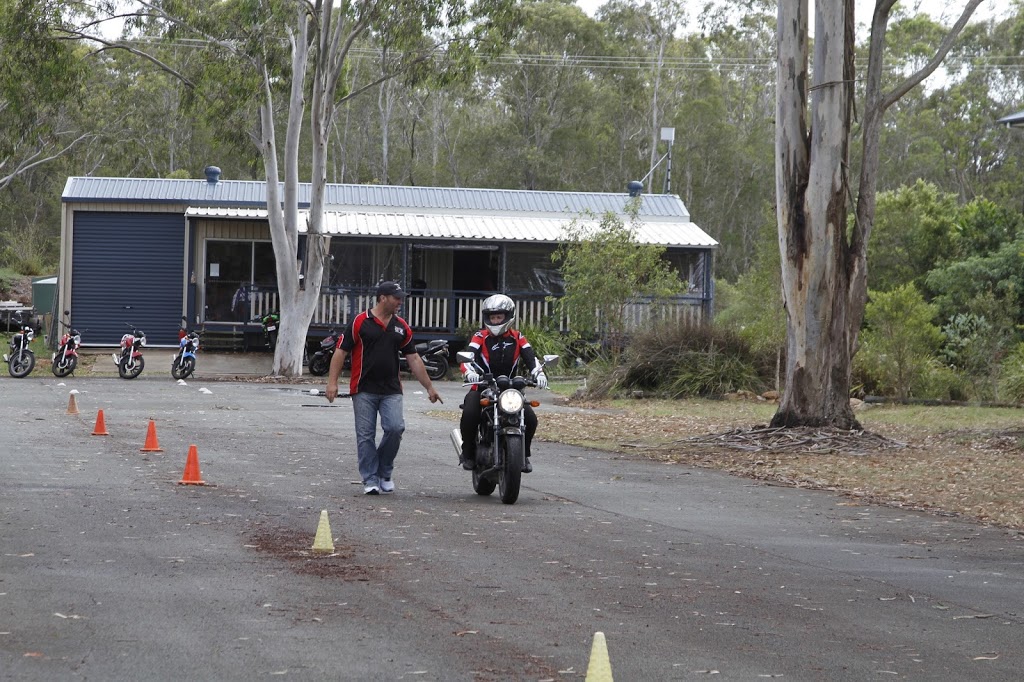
(374, 349)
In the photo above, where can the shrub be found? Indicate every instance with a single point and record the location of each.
(1011, 379)
(682, 360)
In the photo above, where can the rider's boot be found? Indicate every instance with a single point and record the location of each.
(468, 458)
(527, 468)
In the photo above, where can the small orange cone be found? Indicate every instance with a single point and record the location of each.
(151, 444)
(72, 403)
(191, 475)
(101, 425)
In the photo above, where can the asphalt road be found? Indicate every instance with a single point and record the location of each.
(110, 570)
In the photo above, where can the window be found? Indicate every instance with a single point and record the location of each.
(232, 268)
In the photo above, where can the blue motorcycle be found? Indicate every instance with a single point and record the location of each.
(184, 362)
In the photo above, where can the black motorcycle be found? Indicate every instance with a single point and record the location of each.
(433, 353)
(501, 437)
(21, 360)
(320, 363)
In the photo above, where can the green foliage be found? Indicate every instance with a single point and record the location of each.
(1011, 381)
(753, 306)
(900, 340)
(912, 233)
(679, 361)
(605, 270)
(956, 286)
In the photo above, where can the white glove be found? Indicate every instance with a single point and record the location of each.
(542, 381)
(472, 377)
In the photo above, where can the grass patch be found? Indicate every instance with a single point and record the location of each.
(959, 461)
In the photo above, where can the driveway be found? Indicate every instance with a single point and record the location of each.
(111, 570)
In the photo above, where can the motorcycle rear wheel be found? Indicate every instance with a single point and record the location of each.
(183, 368)
(62, 369)
(135, 370)
(21, 364)
(319, 365)
(481, 485)
(511, 474)
(436, 367)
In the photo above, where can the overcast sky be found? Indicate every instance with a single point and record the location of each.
(936, 8)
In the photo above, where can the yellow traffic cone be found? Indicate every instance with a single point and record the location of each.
(600, 668)
(323, 541)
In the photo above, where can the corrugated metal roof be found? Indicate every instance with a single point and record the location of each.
(470, 228)
(241, 194)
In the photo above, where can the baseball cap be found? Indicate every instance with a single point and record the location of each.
(391, 289)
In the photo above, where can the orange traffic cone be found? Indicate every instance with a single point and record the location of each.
(101, 425)
(72, 403)
(151, 444)
(191, 475)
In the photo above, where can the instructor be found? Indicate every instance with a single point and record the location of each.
(374, 339)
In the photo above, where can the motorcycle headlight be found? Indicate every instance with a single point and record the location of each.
(142, 340)
(78, 339)
(510, 401)
(30, 335)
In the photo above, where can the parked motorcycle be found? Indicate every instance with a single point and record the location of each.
(501, 438)
(130, 362)
(184, 362)
(271, 321)
(21, 360)
(65, 360)
(434, 355)
(320, 363)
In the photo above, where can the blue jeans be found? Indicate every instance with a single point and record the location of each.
(377, 461)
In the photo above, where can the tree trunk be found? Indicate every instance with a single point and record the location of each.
(812, 189)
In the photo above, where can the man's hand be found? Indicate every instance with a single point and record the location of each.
(542, 381)
(434, 396)
(332, 391)
(472, 377)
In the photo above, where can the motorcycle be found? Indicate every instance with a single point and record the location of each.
(130, 362)
(65, 360)
(21, 360)
(184, 362)
(271, 321)
(501, 437)
(320, 363)
(434, 355)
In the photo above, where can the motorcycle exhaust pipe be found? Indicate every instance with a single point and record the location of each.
(457, 441)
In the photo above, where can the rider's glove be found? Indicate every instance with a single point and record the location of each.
(472, 377)
(542, 380)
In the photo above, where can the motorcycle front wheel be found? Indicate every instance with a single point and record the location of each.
(436, 367)
(319, 365)
(62, 369)
(183, 368)
(21, 364)
(130, 372)
(512, 469)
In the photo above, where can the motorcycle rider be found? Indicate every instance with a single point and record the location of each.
(498, 349)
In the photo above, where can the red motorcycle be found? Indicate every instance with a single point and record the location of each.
(130, 361)
(65, 360)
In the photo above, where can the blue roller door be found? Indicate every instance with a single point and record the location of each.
(127, 268)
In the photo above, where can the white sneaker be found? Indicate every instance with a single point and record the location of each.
(387, 485)
(371, 489)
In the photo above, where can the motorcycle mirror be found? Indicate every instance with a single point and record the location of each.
(549, 359)
(465, 356)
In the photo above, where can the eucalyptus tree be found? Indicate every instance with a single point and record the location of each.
(273, 64)
(41, 78)
(824, 262)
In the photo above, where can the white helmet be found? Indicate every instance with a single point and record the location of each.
(499, 303)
